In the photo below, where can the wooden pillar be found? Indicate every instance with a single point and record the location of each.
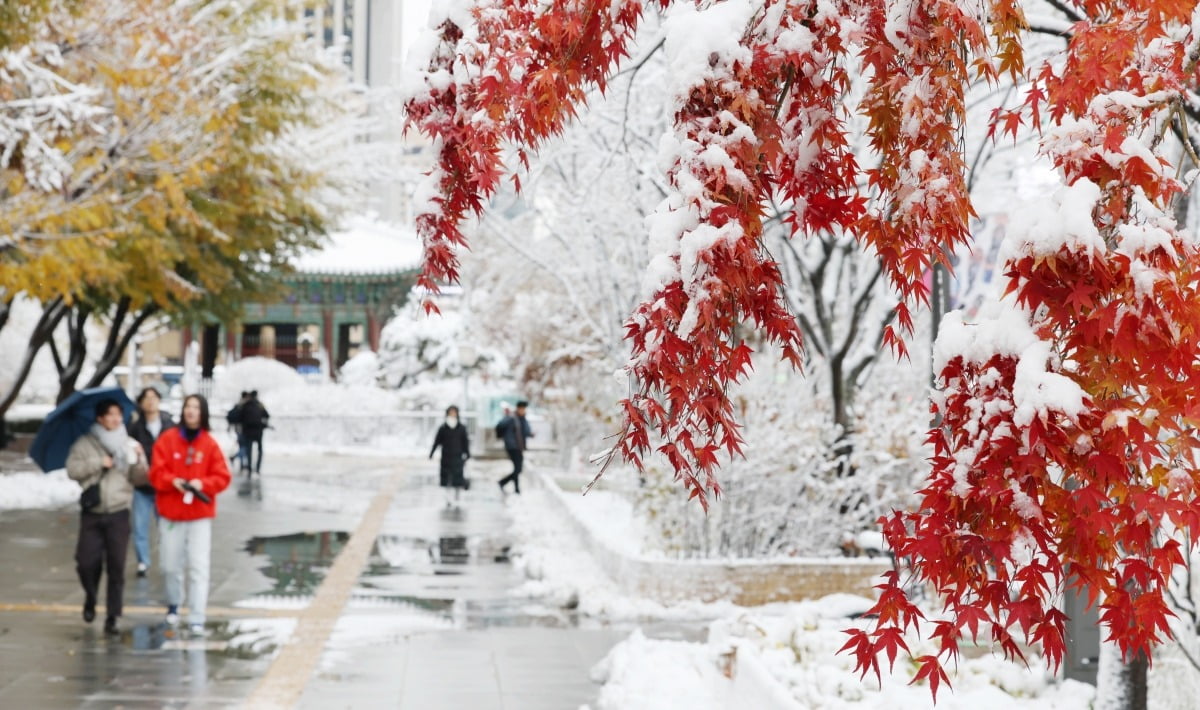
(374, 328)
(232, 352)
(327, 339)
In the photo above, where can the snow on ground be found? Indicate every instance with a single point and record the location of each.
(789, 656)
(664, 675)
(37, 490)
(611, 518)
(799, 649)
(554, 559)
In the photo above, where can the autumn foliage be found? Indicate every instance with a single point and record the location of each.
(1064, 449)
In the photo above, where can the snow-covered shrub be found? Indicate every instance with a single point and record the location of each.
(332, 399)
(792, 495)
(361, 370)
(256, 373)
(418, 347)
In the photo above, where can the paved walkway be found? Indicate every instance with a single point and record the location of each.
(412, 607)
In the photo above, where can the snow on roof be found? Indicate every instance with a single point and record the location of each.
(367, 245)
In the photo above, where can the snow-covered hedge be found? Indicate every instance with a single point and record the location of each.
(792, 494)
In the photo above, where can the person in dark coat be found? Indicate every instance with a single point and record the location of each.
(254, 422)
(234, 418)
(456, 449)
(145, 429)
(515, 432)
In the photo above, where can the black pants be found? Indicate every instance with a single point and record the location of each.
(103, 542)
(518, 458)
(253, 440)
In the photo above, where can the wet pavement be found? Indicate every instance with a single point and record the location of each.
(428, 622)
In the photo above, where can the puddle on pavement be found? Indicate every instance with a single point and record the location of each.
(452, 577)
(463, 578)
(243, 642)
(297, 563)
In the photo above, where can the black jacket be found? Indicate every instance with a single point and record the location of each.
(138, 432)
(456, 449)
(254, 418)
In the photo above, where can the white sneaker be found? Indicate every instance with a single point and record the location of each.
(172, 620)
(197, 630)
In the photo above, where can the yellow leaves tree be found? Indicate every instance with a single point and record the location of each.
(193, 186)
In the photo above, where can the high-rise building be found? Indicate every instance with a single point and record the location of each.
(371, 36)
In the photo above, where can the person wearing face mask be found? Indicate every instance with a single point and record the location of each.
(456, 449)
(188, 470)
(108, 457)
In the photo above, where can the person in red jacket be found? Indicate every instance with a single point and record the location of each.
(187, 471)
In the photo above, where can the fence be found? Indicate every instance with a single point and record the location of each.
(407, 432)
(744, 582)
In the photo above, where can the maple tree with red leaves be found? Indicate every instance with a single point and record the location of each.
(1064, 450)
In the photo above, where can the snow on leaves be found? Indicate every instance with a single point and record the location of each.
(1093, 487)
(1064, 449)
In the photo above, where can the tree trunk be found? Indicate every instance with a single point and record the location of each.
(52, 315)
(5, 311)
(939, 304)
(118, 340)
(1120, 685)
(68, 372)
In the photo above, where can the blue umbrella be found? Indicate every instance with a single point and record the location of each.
(69, 421)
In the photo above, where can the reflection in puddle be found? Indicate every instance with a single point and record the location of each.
(240, 639)
(298, 562)
(453, 549)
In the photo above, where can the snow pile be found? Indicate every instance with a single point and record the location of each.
(796, 653)
(362, 370)
(37, 490)
(332, 400)
(265, 375)
(799, 649)
(664, 675)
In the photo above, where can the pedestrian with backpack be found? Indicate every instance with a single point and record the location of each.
(514, 431)
(234, 419)
(255, 419)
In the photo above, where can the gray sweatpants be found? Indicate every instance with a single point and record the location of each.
(186, 544)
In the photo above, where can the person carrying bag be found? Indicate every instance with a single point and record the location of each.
(108, 464)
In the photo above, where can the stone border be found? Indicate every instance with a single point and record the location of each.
(746, 583)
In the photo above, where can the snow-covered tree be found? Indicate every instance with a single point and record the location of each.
(415, 347)
(223, 146)
(1064, 442)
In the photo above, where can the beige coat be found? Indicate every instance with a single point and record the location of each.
(85, 463)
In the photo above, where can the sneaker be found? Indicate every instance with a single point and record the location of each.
(197, 630)
(142, 567)
(172, 616)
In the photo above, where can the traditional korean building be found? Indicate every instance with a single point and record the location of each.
(334, 305)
